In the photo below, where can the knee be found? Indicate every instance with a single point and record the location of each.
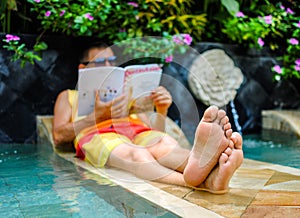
(131, 154)
(163, 147)
(141, 155)
(166, 143)
(168, 140)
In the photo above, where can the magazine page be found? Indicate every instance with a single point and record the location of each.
(140, 80)
(108, 80)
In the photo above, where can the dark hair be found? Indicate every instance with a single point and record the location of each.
(90, 45)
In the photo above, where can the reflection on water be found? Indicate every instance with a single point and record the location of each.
(274, 147)
(35, 182)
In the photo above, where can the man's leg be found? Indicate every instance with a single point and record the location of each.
(139, 161)
(210, 142)
(169, 154)
(218, 180)
(212, 137)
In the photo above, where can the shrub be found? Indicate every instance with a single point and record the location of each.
(161, 49)
(276, 27)
(114, 21)
(118, 20)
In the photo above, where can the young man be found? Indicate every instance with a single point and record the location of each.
(113, 136)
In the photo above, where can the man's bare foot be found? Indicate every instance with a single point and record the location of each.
(230, 160)
(211, 139)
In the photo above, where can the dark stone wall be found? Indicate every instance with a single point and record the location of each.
(32, 90)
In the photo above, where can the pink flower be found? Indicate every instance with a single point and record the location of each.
(187, 39)
(239, 14)
(277, 69)
(177, 40)
(48, 13)
(289, 11)
(297, 68)
(268, 19)
(10, 37)
(182, 39)
(282, 7)
(169, 59)
(294, 41)
(297, 62)
(134, 4)
(62, 12)
(298, 24)
(89, 16)
(37, 1)
(260, 42)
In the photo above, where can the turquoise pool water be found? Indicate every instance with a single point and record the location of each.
(273, 147)
(35, 182)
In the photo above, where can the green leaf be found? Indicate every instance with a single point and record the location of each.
(40, 46)
(83, 29)
(21, 47)
(232, 6)
(78, 20)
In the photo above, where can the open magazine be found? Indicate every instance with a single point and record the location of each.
(135, 80)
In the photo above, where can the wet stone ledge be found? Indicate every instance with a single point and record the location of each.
(282, 120)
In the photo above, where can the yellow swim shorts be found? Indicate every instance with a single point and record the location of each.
(98, 148)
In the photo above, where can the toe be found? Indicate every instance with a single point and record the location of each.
(228, 133)
(228, 151)
(223, 158)
(224, 120)
(221, 117)
(237, 140)
(210, 114)
(227, 126)
(231, 144)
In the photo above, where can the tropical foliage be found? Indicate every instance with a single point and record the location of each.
(12, 43)
(276, 27)
(162, 49)
(118, 20)
(111, 20)
(251, 23)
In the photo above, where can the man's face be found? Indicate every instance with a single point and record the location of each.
(100, 57)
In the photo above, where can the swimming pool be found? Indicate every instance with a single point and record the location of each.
(273, 147)
(39, 183)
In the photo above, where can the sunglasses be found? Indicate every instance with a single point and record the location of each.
(101, 61)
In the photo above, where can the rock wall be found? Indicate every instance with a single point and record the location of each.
(32, 90)
(26, 92)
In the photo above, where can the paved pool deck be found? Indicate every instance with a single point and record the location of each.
(257, 189)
